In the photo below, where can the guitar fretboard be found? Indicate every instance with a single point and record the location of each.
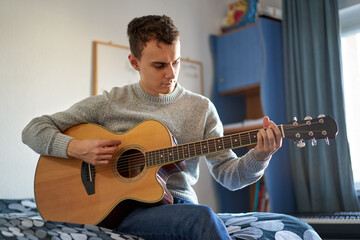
(200, 148)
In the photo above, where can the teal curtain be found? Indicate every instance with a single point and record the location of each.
(322, 175)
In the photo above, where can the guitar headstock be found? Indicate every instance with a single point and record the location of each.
(323, 127)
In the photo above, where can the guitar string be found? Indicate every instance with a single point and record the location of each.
(191, 151)
(196, 149)
(138, 160)
(227, 140)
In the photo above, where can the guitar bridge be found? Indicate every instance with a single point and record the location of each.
(88, 177)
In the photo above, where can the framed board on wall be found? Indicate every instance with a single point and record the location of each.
(112, 69)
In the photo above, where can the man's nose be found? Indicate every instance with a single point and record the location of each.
(170, 72)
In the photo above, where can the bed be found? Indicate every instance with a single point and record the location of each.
(19, 219)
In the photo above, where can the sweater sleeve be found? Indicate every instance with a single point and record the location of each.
(230, 170)
(44, 134)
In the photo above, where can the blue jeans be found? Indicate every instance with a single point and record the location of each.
(181, 221)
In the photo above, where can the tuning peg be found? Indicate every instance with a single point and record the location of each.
(307, 118)
(295, 119)
(301, 144)
(321, 116)
(313, 142)
(327, 141)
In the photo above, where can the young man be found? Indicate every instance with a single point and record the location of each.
(155, 54)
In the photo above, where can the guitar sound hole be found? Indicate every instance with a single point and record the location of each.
(130, 163)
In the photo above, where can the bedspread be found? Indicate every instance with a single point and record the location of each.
(19, 219)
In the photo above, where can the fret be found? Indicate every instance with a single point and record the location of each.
(147, 159)
(219, 144)
(207, 142)
(212, 145)
(245, 139)
(236, 141)
(165, 156)
(175, 152)
(252, 137)
(204, 147)
(231, 141)
(156, 157)
(152, 158)
(186, 151)
(227, 142)
(192, 151)
(169, 155)
(161, 156)
(181, 152)
(198, 150)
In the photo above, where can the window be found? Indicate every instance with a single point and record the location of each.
(350, 42)
(351, 76)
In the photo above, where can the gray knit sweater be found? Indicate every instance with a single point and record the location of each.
(188, 116)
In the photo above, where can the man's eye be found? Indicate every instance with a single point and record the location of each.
(159, 66)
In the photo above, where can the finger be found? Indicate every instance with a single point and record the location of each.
(109, 143)
(270, 139)
(277, 133)
(108, 150)
(266, 122)
(274, 127)
(102, 159)
(262, 139)
(266, 141)
(107, 156)
(259, 140)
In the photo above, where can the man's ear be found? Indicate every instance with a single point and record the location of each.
(134, 61)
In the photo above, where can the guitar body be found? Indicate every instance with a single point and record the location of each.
(70, 190)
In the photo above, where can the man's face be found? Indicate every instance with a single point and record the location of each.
(159, 67)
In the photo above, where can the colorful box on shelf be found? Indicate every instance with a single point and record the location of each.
(240, 13)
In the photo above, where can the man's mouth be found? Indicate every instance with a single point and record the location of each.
(168, 83)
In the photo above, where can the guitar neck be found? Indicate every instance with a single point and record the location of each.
(200, 148)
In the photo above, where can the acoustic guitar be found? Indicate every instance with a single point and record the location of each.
(71, 190)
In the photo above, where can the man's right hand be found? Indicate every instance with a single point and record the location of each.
(93, 151)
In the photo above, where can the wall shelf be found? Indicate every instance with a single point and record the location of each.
(247, 62)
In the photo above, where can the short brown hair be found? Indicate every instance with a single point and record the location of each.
(152, 27)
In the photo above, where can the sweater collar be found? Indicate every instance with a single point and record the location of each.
(163, 100)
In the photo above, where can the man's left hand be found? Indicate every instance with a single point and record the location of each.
(269, 140)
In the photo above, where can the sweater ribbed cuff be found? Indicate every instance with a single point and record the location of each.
(59, 147)
(255, 165)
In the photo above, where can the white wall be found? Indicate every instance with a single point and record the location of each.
(46, 65)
